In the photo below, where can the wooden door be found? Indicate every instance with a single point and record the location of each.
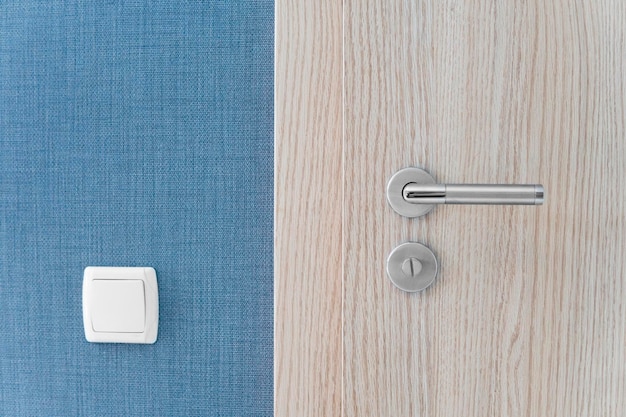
(528, 314)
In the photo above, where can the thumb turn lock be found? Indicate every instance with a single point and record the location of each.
(412, 267)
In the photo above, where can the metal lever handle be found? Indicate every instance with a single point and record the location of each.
(412, 192)
(527, 194)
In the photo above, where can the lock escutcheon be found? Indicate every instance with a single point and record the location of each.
(412, 267)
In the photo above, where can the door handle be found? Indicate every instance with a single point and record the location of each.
(413, 192)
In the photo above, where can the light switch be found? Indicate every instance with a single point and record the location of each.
(120, 304)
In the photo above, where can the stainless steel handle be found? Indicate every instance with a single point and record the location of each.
(526, 194)
(412, 192)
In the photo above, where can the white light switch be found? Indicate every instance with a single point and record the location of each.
(120, 305)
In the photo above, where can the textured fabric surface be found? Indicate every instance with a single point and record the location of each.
(137, 133)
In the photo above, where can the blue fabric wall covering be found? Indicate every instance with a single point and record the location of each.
(136, 133)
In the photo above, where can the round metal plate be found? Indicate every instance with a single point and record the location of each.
(396, 185)
(402, 277)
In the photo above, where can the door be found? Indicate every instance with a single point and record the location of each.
(527, 315)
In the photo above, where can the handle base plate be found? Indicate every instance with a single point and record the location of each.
(396, 185)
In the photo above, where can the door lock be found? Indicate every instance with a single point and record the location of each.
(413, 192)
(412, 267)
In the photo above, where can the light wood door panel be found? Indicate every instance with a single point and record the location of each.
(527, 316)
(307, 232)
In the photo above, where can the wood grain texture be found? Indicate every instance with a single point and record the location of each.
(308, 186)
(528, 315)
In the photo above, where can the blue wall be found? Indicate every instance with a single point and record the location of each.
(137, 133)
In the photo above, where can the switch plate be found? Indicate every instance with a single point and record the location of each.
(120, 304)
